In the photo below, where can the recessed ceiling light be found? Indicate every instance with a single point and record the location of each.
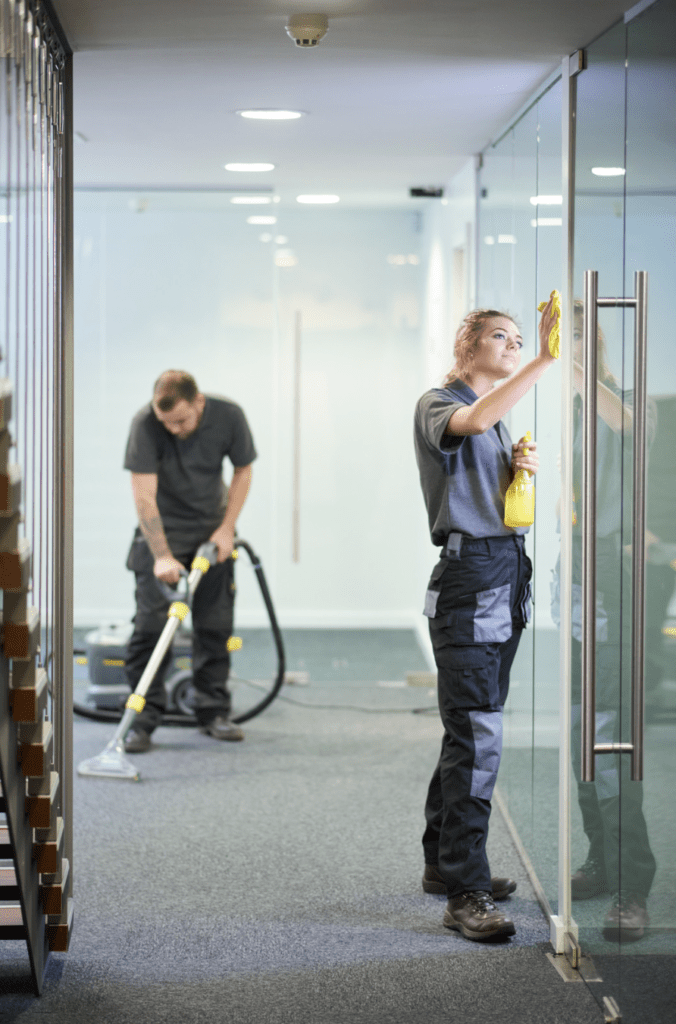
(281, 239)
(547, 222)
(546, 200)
(506, 239)
(608, 172)
(261, 220)
(271, 115)
(249, 167)
(318, 199)
(251, 200)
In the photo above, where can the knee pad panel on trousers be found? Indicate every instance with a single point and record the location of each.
(487, 732)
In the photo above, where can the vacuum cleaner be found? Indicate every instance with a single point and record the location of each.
(113, 762)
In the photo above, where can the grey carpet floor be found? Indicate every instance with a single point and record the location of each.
(278, 880)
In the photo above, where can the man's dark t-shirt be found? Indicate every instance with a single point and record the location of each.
(191, 494)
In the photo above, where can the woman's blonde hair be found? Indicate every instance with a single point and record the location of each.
(467, 340)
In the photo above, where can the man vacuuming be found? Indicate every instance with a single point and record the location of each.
(175, 452)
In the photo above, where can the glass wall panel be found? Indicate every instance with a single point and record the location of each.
(599, 245)
(626, 221)
(189, 280)
(649, 964)
(519, 265)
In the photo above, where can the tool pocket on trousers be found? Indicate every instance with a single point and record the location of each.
(434, 589)
(140, 557)
(481, 618)
(468, 675)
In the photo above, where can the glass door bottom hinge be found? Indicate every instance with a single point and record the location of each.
(585, 971)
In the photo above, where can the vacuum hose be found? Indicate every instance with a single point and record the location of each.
(105, 715)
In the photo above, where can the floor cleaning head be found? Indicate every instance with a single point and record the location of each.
(113, 763)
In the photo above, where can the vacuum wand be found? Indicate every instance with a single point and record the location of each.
(112, 762)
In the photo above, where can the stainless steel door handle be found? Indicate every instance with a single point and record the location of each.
(592, 302)
(639, 524)
(590, 369)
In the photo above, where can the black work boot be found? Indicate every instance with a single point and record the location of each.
(221, 728)
(475, 915)
(589, 880)
(137, 741)
(433, 882)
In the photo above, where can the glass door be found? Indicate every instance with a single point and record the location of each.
(624, 821)
(648, 989)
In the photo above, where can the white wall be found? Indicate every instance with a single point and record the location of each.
(184, 282)
(448, 293)
(450, 249)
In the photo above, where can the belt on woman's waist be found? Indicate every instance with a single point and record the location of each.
(458, 542)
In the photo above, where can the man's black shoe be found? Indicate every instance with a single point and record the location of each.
(222, 728)
(433, 882)
(138, 741)
(589, 880)
(475, 915)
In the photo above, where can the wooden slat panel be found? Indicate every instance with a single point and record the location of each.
(21, 639)
(36, 758)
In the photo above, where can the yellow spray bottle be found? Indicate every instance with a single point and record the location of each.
(520, 497)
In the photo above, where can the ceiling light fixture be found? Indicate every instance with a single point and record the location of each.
(608, 172)
(271, 115)
(546, 200)
(547, 222)
(261, 220)
(244, 168)
(318, 200)
(250, 200)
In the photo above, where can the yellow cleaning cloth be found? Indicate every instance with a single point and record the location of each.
(555, 333)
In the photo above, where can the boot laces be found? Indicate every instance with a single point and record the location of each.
(482, 901)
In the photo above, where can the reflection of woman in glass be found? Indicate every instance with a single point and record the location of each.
(478, 601)
(612, 802)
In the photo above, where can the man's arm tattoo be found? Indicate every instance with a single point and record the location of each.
(152, 529)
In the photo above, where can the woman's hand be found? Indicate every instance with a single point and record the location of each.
(547, 321)
(529, 461)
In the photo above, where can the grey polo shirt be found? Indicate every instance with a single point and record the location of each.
(463, 479)
(191, 494)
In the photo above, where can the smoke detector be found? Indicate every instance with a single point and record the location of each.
(307, 29)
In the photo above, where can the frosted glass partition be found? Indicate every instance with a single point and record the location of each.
(183, 280)
(519, 264)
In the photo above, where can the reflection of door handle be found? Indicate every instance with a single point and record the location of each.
(590, 332)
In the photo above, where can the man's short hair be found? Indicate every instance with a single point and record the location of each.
(172, 386)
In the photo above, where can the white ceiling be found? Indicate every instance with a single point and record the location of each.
(399, 93)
